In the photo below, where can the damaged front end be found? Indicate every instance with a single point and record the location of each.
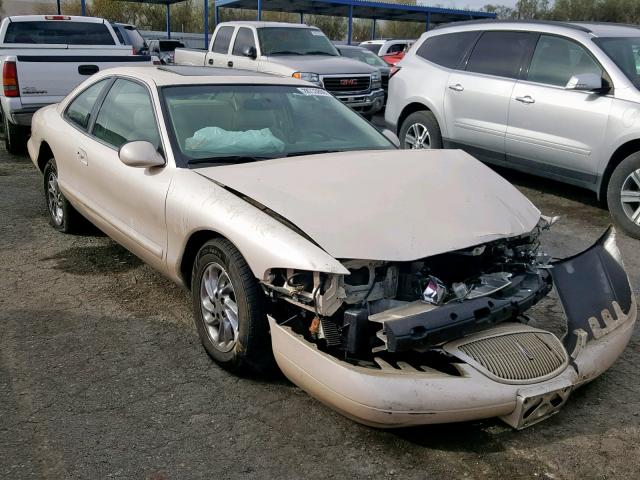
(447, 338)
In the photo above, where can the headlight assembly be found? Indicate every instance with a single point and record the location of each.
(307, 76)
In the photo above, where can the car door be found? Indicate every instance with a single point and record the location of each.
(243, 40)
(476, 100)
(70, 158)
(557, 131)
(219, 54)
(128, 201)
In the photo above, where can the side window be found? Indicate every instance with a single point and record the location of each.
(447, 50)
(500, 53)
(118, 33)
(244, 39)
(79, 110)
(126, 115)
(223, 39)
(555, 60)
(398, 47)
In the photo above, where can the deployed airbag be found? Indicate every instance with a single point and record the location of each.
(226, 142)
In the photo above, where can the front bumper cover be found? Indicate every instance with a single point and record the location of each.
(600, 324)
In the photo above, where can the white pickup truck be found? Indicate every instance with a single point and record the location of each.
(43, 57)
(290, 49)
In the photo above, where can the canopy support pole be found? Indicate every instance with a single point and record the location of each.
(428, 21)
(259, 10)
(206, 24)
(83, 7)
(301, 17)
(373, 30)
(59, 12)
(168, 18)
(216, 15)
(350, 25)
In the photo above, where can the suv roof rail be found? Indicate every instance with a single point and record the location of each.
(612, 24)
(574, 26)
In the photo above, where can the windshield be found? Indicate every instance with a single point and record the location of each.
(625, 52)
(237, 123)
(364, 56)
(294, 41)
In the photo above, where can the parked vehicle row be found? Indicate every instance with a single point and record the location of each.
(365, 56)
(553, 99)
(43, 57)
(304, 235)
(293, 50)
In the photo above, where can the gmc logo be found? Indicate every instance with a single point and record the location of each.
(348, 82)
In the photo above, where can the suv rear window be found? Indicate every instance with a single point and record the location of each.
(500, 53)
(447, 50)
(59, 32)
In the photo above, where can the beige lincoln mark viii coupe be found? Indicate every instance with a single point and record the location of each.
(392, 285)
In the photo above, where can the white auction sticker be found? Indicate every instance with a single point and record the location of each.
(314, 92)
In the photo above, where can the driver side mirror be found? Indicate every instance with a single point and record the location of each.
(586, 82)
(141, 154)
(250, 52)
(392, 137)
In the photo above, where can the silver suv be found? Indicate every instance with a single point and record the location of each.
(561, 100)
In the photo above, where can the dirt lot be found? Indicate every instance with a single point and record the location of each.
(102, 376)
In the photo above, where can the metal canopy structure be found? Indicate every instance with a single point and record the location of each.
(357, 9)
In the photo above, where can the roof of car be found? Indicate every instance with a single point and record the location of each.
(350, 47)
(187, 75)
(251, 23)
(597, 29)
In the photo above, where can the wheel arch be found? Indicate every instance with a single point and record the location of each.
(412, 108)
(44, 155)
(622, 152)
(191, 248)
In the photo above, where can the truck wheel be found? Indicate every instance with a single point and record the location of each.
(623, 195)
(62, 216)
(420, 130)
(14, 137)
(229, 309)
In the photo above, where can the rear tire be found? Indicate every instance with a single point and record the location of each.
(62, 216)
(420, 130)
(15, 137)
(623, 195)
(229, 310)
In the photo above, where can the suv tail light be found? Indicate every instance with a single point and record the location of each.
(393, 71)
(10, 79)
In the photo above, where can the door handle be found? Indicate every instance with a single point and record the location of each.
(457, 87)
(211, 61)
(229, 64)
(82, 156)
(525, 99)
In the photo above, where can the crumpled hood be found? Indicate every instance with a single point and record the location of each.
(395, 205)
(322, 64)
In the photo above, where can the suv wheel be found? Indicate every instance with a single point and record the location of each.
(623, 195)
(420, 130)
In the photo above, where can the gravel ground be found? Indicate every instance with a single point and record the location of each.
(102, 375)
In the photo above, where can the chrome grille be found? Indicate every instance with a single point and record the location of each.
(346, 84)
(517, 356)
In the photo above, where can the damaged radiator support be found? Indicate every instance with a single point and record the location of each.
(455, 319)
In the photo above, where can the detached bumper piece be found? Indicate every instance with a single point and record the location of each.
(454, 320)
(513, 371)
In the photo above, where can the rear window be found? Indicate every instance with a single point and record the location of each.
(59, 32)
(447, 50)
(500, 53)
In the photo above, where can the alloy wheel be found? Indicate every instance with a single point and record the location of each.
(54, 199)
(417, 137)
(219, 307)
(630, 196)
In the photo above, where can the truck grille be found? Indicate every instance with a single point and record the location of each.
(346, 84)
(517, 357)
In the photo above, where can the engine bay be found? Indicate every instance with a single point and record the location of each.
(405, 311)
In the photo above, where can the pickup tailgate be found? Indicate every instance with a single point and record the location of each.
(47, 75)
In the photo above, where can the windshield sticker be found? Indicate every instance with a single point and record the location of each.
(314, 92)
(317, 33)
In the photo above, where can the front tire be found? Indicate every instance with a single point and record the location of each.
(62, 216)
(229, 309)
(420, 130)
(623, 195)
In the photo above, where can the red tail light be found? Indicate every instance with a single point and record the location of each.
(10, 79)
(393, 71)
